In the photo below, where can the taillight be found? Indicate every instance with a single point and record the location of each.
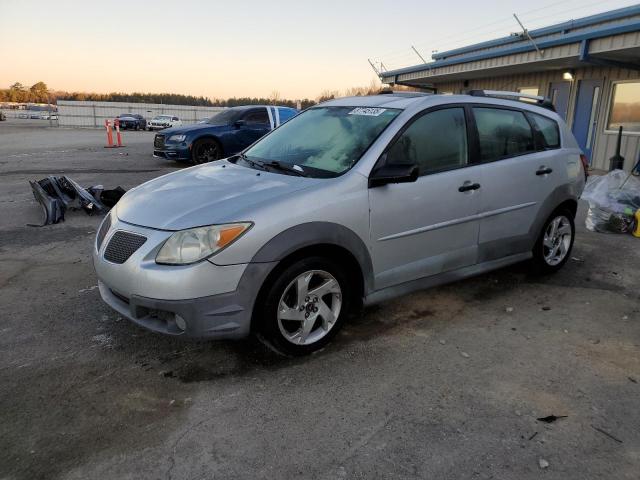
(585, 164)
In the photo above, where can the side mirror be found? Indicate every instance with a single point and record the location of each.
(403, 173)
(239, 123)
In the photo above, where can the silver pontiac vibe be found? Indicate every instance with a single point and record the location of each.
(352, 202)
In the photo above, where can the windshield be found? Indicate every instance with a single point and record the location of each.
(325, 139)
(225, 117)
(162, 117)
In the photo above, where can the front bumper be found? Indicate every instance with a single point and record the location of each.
(214, 301)
(173, 152)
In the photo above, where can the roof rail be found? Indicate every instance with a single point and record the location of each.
(403, 93)
(540, 101)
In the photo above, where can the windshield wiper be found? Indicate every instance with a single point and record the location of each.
(253, 163)
(285, 167)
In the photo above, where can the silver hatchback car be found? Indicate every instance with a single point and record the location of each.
(352, 202)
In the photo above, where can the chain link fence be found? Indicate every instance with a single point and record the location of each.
(94, 114)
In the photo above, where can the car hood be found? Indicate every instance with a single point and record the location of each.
(204, 195)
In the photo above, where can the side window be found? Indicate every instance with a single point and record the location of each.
(174, 119)
(502, 133)
(257, 117)
(548, 130)
(436, 141)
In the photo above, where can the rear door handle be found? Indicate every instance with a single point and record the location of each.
(544, 171)
(468, 186)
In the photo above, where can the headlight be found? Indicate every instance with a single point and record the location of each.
(177, 138)
(195, 244)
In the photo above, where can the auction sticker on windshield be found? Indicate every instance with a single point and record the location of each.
(367, 111)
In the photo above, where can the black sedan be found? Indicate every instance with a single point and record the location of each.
(132, 121)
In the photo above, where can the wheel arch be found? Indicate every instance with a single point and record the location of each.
(569, 204)
(323, 239)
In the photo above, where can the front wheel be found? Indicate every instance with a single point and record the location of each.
(206, 150)
(305, 306)
(554, 245)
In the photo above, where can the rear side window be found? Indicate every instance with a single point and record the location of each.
(257, 117)
(548, 130)
(503, 133)
(435, 142)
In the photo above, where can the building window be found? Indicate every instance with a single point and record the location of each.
(528, 90)
(625, 107)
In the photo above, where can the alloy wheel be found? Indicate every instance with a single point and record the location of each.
(309, 307)
(557, 240)
(207, 152)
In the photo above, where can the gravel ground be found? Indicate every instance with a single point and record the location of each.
(447, 383)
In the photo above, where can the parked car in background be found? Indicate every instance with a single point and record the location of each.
(163, 121)
(352, 202)
(222, 135)
(132, 121)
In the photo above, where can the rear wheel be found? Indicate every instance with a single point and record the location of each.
(553, 248)
(305, 306)
(206, 150)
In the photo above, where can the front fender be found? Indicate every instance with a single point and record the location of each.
(317, 233)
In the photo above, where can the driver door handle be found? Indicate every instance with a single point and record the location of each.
(468, 186)
(544, 171)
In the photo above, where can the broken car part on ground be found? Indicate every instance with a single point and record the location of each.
(57, 194)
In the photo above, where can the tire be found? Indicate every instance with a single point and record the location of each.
(137, 127)
(206, 150)
(553, 247)
(295, 320)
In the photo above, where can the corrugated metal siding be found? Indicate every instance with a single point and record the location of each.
(605, 142)
(616, 42)
(531, 57)
(93, 114)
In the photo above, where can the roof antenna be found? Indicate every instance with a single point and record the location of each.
(418, 53)
(525, 32)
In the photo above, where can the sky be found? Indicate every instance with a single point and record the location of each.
(220, 49)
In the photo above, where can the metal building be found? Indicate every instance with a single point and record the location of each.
(589, 67)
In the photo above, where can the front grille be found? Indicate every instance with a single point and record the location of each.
(122, 245)
(158, 142)
(104, 228)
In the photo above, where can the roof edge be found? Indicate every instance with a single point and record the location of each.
(559, 27)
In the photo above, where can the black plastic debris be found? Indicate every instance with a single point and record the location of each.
(551, 418)
(110, 197)
(53, 208)
(56, 195)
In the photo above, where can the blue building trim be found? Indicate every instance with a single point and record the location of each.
(553, 29)
(631, 26)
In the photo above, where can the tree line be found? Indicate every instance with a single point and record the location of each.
(40, 93)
